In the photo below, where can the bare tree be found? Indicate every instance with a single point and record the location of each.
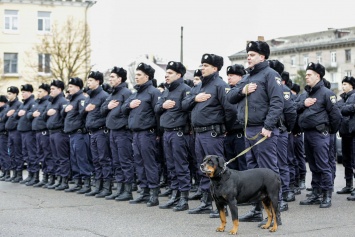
(69, 48)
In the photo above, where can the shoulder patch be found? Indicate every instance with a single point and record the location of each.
(227, 90)
(287, 95)
(82, 102)
(187, 92)
(333, 99)
(278, 80)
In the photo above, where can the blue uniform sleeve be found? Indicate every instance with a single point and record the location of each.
(125, 107)
(188, 102)
(158, 108)
(104, 110)
(289, 109)
(333, 112)
(348, 108)
(276, 103)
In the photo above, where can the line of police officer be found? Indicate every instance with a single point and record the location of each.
(114, 136)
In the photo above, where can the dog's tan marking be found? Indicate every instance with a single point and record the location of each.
(234, 230)
(222, 216)
(269, 217)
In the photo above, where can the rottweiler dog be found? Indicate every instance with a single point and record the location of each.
(230, 186)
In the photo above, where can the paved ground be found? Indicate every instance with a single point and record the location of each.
(28, 211)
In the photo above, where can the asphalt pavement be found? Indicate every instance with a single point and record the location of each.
(28, 211)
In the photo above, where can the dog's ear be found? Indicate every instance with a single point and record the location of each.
(220, 161)
(206, 158)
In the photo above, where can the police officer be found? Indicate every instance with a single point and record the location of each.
(176, 136)
(74, 125)
(318, 117)
(5, 162)
(298, 147)
(144, 124)
(43, 149)
(99, 136)
(120, 135)
(285, 124)
(210, 115)
(263, 92)
(346, 104)
(14, 142)
(59, 141)
(28, 136)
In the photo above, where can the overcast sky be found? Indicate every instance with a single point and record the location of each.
(125, 29)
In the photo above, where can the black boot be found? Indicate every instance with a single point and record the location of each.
(295, 189)
(215, 213)
(97, 189)
(18, 177)
(205, 206)
(6, 175)
(127, 193)
(302, 182)
(134, 186)
(106, 189)
(78, 185)
(327, 199)
(278, 220)
(167, 193)
(183, 203)
(175, 197)
(348, 188)
(288, 196)
(51, 181)
(34, 180)
(54, 185)
(118, 192)
(142, 198)
(254, 215)
(28, 179)
(14, 174)
(43, 182)
(283, 206)
(63, 185)
(86, 188)
(352, 196)
(2, 174)
(153, 199)
(313, 199)
(197, 195)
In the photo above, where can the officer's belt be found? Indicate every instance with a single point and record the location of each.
(234, 131)
(152, 130)
(121, 128)
(174, 129)
(3, 132)
(52, 131)
(80, 130)
(205, 129)
(41, 130)
(92, 130)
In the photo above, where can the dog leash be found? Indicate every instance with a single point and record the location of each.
(245, 133)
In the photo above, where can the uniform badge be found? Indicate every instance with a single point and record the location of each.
(64, 106)
(206, 57)
(171, 63)
(82, 102)
(250, 44)
(287, 95)
(159, 97)
(187, 92)
(278, 80)
(227, 90)
(333, 99)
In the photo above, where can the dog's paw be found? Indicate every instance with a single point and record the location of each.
(273, 229)
(265, 226)
(233, 232)
(220, 229)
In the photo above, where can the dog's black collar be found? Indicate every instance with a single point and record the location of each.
(222, 172)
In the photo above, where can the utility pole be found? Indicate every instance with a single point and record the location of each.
(181, 45)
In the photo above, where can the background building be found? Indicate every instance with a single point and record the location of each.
(43, 39)
(333, 48)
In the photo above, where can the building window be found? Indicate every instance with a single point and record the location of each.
(11, 20)
(305, 61)
(319, 58)
(10, 63)
(347, 55)
(44, 63)
(348, 73)
(333, 77)
(44, 21)
(293, 61)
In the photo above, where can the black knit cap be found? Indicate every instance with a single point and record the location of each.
(197, 73)
(316, 67)
(260, 47)
(3, 99)
(106, 87)
(176, 67)
(58, 83)
(147, 69)
(13, 89)
(120, 72)
(277, 66)
(98, 76)
(296, 88)
(27, 87)
(236, 69)
(213, 59)
(350, 80)
(45, 87)
(76, 81)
